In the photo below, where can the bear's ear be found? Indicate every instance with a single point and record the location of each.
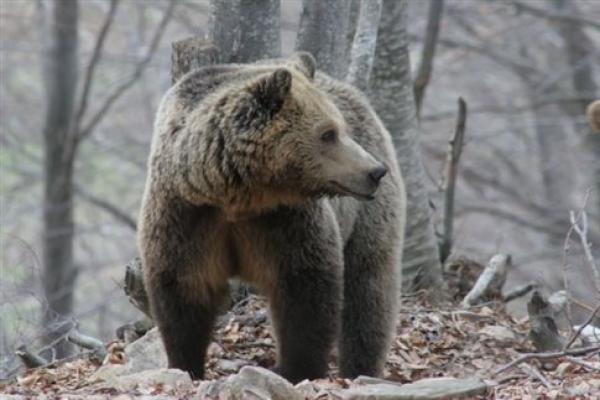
(270, 91)
(304, 62)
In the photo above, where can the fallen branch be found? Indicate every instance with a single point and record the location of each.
(519, 292)
(546, 356)
(582, 327)
(29, 359)
(535, 373)
(490, 282)
(98, 350)
(582, 363)
(582, 231)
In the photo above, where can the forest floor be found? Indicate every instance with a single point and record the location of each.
(429, 343)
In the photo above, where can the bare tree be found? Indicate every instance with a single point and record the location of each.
(392, 96)
(66, 127)
(363, 45)
(322, 32)
(260, 30)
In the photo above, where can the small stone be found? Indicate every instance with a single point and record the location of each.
(500, 333)
(146, 353)
(425, 389)
(167, 377)
(306, 389)
(257, 382)
(231, 366)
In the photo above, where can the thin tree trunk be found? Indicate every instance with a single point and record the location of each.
(554, 159)
(363, 45)
(392, 96)
(260, 26)
(322, 33)
(432, 32)
(61, 72)
(224, 28)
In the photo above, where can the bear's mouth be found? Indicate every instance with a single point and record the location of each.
(343, 190)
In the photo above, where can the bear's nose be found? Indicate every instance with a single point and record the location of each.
(378, 173)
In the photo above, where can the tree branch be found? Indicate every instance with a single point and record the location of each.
(518, 66)
(432, 31)
(560, 17)
(581, 328)
(94, 60)
(134, 77)
(113, 210)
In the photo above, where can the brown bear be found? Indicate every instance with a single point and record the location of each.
(285, 178)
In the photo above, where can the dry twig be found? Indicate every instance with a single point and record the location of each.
(582, 327)
(546, 356)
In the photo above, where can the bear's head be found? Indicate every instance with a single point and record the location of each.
(274, 138)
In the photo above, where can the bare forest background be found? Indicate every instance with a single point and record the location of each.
(81, 80)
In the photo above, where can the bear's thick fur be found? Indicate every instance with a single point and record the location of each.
(261, 172)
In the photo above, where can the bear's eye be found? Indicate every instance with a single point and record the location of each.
(329, 136)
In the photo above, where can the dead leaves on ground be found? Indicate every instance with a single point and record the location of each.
(429, 343)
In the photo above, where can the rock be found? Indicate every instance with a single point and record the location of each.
(500, 333)
(306, 389)
(231, 366)
(174, 378)
(425, 389)
(259, 383)
(146, 353)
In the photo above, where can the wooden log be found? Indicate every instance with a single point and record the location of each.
(490, 282)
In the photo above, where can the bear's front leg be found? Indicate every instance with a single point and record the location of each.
(183, 288)
(306, 291)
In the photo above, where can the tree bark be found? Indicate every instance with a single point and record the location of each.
(260, 26)
(363, 44)
(189, 54)
(392, 96)
(61, 73)
(224, 28)
(322, 33)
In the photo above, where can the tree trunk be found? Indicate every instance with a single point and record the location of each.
(392, 96)
(224, 28)
(363, 44)
(432, 32)
(260, 30)
(580, 55)
(61, 72)
(554, 159)
(322, 32)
